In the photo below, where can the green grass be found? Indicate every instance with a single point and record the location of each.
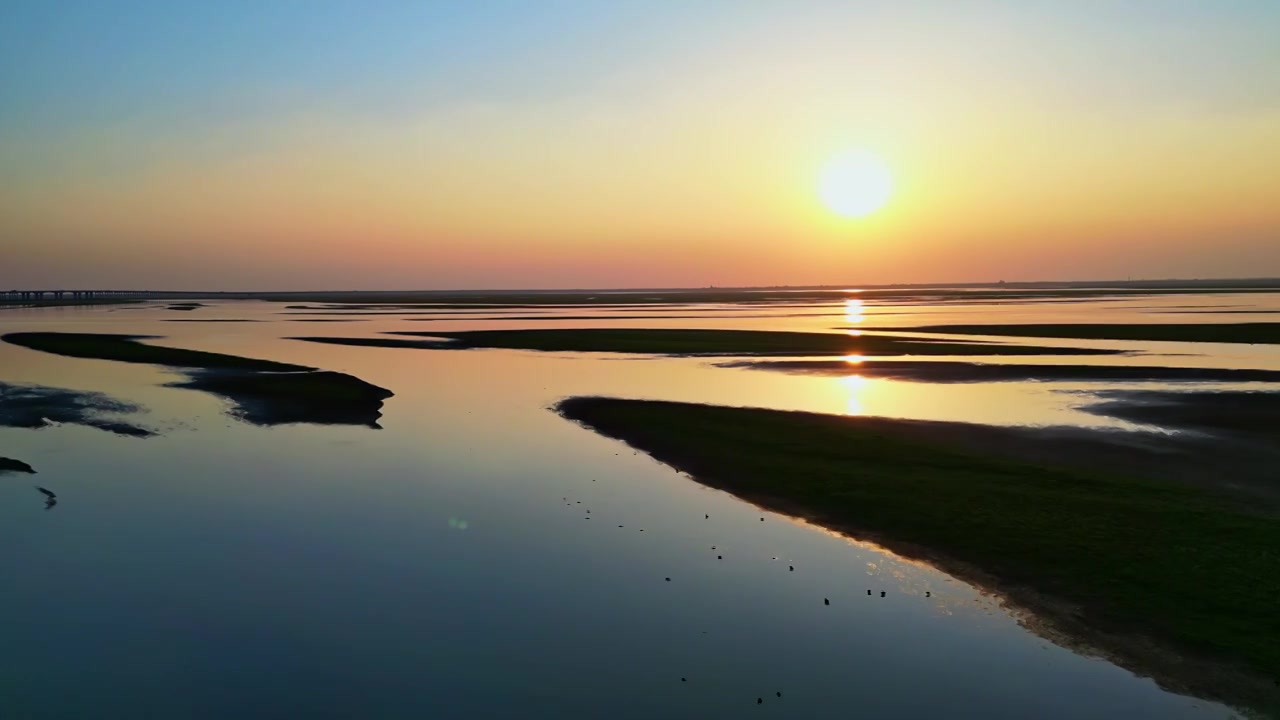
(1259, 332)
(1174, 562)
(726, 342)
(126, 348)
(11, 465)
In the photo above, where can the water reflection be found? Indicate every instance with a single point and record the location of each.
(855, 385)
(853, 311)
(286, 546)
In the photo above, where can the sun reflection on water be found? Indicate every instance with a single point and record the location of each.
(854, 384)
(853, 311)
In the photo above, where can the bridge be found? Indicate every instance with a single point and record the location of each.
(12, 298)
(37, 295)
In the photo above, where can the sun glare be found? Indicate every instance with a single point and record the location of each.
(855, 183)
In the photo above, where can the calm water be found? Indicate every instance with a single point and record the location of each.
(445, 566)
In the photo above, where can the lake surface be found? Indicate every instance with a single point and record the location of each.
(446, 565)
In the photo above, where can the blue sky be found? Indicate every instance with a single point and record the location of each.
(85, 61)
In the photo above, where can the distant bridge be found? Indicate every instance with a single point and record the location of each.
(38, 295)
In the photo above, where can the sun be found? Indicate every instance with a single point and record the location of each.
(855, 183)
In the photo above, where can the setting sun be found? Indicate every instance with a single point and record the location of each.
(855, 183)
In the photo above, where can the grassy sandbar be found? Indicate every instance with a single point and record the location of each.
(263, 391)
(9, 465)
(662, 341)
(1103, 556)
(1255, 332)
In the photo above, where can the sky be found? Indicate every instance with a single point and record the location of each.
(314, 144)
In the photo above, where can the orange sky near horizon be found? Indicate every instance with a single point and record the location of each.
(1005, 167)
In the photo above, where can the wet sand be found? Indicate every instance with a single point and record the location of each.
(37, 406)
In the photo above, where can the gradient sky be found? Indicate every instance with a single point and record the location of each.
(303, 144)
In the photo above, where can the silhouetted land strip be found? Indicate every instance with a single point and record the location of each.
(315, 396)
(1258, 332)
(1225, 312)
(921, 293)
(9, 465)
(264, 392)
(324, 320)
(705, 342)
(1226, 415)
(211, 320)
(386, 342)
(37, 406)
(126, 348)
(945, 371)
(925, 294)
(622, 316)
(1101, 555)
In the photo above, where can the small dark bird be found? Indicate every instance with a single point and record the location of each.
(668, 579)
(791, 568)
(47, 493)
(684, 679)
(759, 701)
(868, 592)
(779, 693)
(761, 519)
(706, 517)
(881, 593)
(719, 557)
(927, 593)
(826, 601)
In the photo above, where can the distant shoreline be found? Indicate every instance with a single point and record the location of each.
(1264, 284)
